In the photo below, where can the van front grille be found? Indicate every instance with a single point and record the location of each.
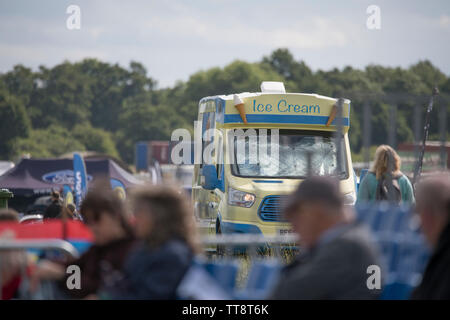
(271, 207)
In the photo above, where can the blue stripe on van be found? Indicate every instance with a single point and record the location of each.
(231, 227)
(268, 181)
(279, 118)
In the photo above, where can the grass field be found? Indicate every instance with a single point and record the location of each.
(245, 258)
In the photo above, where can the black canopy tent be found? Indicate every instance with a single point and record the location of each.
(32, 178)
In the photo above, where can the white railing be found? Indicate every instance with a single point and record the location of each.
(252, 244)
(248, 240)
(48, 244)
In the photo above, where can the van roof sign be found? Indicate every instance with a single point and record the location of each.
(312, 110)
(272, 87)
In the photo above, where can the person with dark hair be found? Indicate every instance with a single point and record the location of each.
(105, 216)
(165, 227)
(55, 208)
(433, 206)
(335, 252)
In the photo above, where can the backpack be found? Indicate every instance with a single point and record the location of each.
(383, 188)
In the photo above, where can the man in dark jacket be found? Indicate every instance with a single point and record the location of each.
(433, 206)
(335, 252)
(54, 209)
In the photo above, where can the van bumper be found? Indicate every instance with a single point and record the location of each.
(255, 228)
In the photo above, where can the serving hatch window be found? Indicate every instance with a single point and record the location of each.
(294, 148)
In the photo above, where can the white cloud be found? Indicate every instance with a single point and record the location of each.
(313, 33)
(444, 22)
(45, 54)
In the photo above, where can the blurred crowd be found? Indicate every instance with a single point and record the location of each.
(141, 249)
(144, 246)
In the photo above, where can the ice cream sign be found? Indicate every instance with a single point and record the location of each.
(283, 106)
(274, 105)
(280, 106)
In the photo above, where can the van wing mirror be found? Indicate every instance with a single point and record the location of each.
(210, 173)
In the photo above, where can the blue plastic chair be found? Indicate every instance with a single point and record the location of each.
(263, 275)
(403, 249)
(81, 246)
(224, 272)
(200, 284)
(365, 213)
(262, 278)
(389, 251)
(400, 286)
(396, 291)
(414, 254)
(382, 216)
(361, 210)
(402, 218)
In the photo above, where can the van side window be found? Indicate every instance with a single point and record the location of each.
(220, 158)
(197, 156)
(208, 122)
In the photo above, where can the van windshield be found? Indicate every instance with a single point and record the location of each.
(294, 148)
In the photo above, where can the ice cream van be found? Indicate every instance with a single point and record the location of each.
(257, 147)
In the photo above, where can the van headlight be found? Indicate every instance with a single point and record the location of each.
(350, 199)
(240, 198)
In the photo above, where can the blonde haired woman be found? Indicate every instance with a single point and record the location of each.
(385, 181)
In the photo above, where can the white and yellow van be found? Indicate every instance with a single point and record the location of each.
(234, 193)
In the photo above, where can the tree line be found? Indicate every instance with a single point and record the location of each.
(97, 106)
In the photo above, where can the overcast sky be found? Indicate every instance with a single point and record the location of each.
(174, 39)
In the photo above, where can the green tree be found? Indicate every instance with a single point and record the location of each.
(45, 143)
(297, 75)
(64, 98)
(14, 122)
(141, 120)
(20, 82)
(95, 139)
(94, 105)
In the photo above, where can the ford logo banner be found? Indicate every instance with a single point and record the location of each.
(61, 177)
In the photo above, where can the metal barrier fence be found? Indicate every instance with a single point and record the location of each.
(51, 244)
(254, 246)
(402, 254)
(410, 116)
(248, 239)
